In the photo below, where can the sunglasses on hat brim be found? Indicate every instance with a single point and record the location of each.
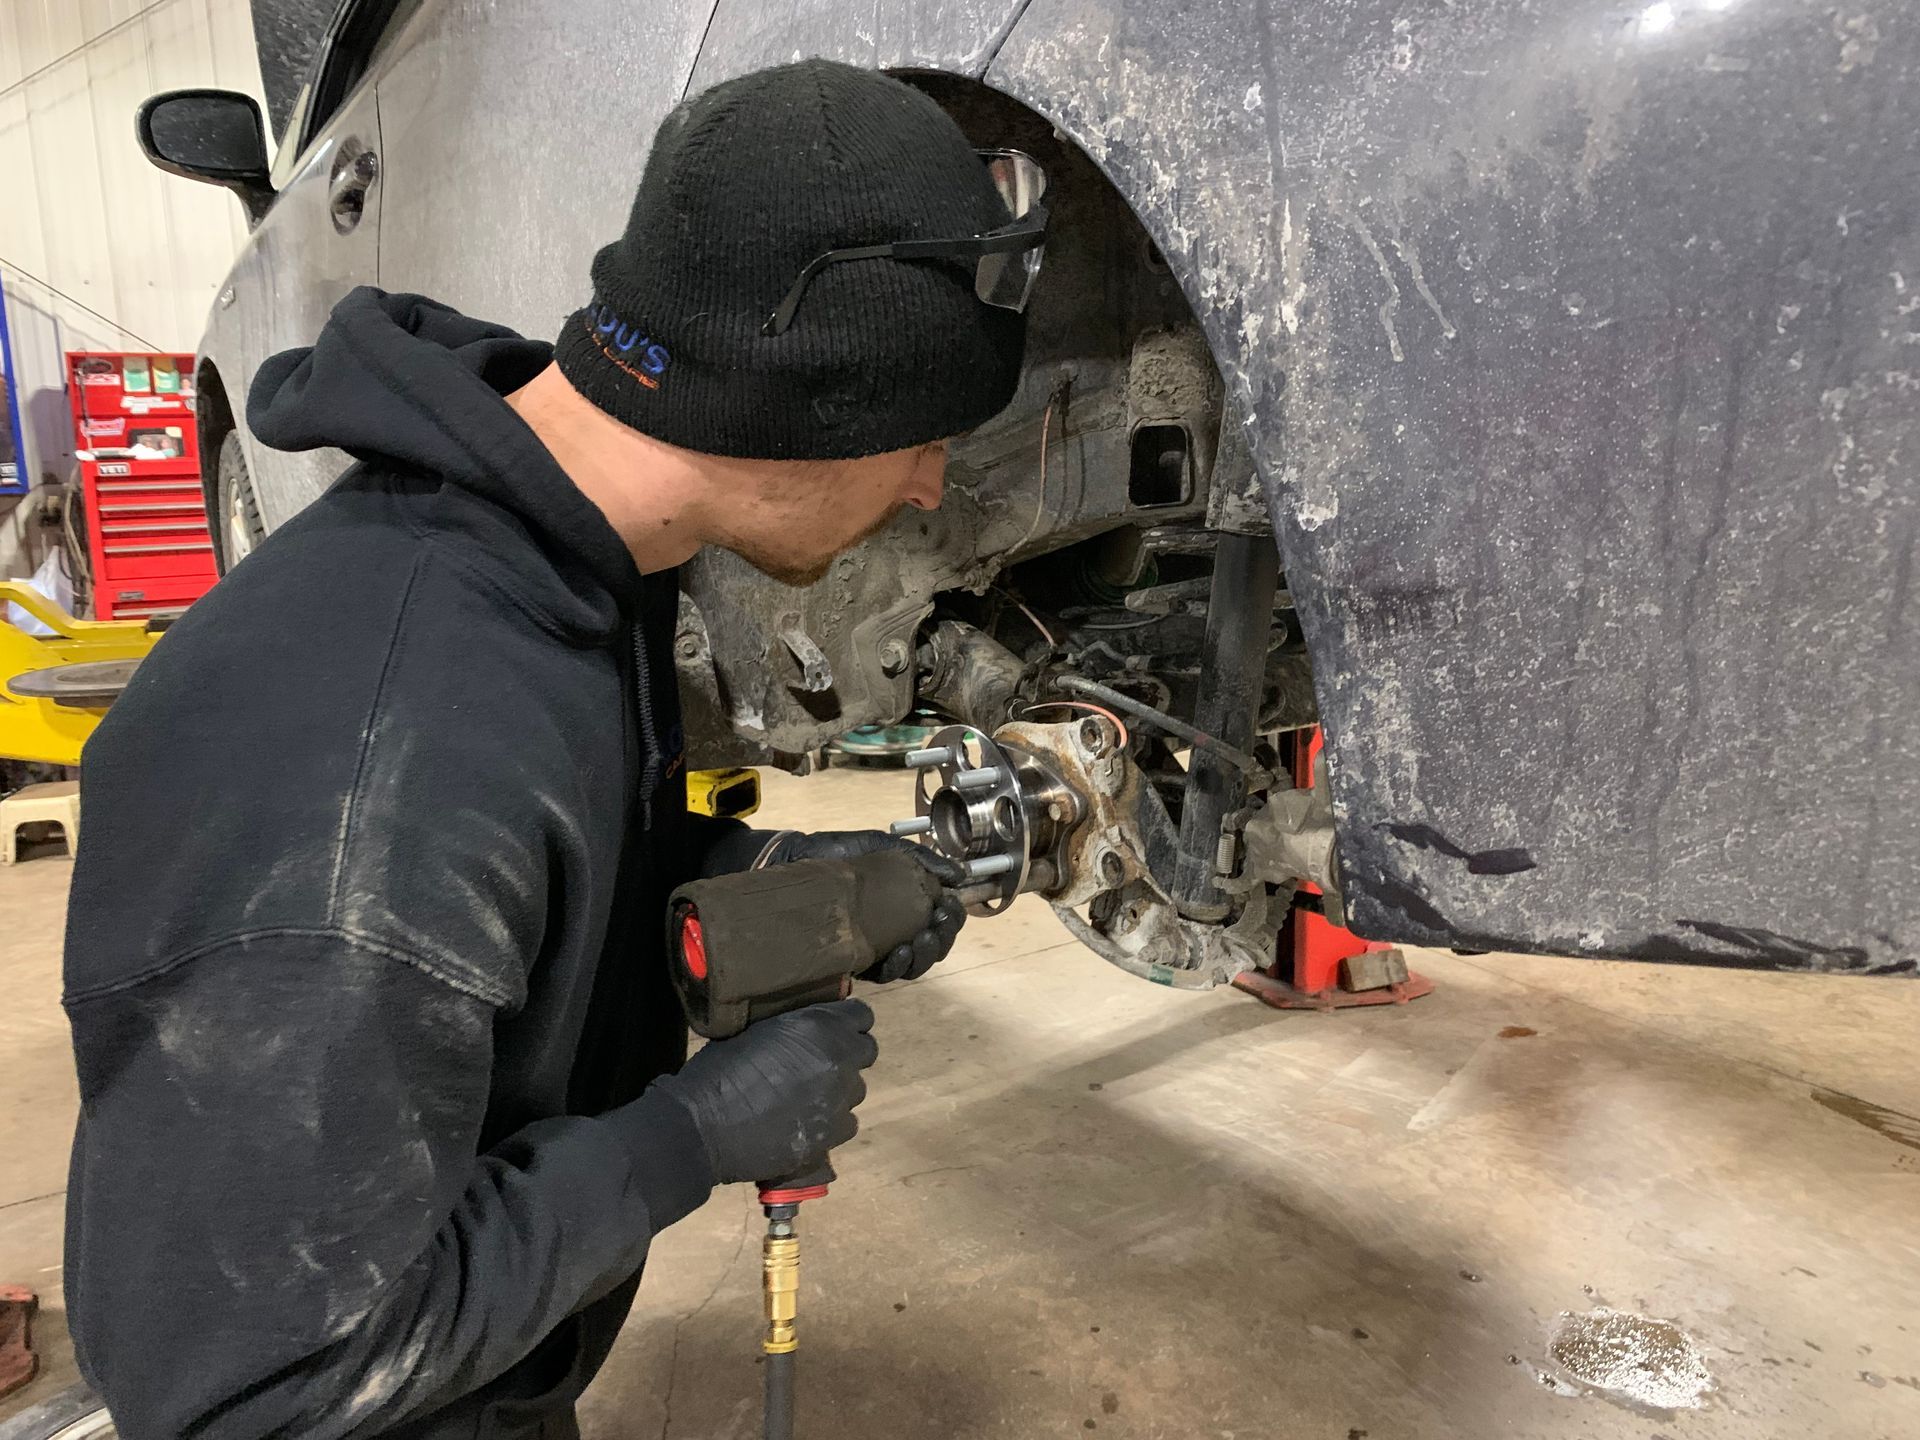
(1006, 261)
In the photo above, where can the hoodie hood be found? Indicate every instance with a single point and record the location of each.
(403, 383)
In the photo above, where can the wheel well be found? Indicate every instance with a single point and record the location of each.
(213, 417)
(1105, 281)
(1114, 344)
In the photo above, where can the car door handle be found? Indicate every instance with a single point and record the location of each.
(355, 169)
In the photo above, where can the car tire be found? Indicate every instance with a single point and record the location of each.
(74, 1414)
(237, 526)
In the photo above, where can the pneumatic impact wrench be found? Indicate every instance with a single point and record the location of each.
(759, 943)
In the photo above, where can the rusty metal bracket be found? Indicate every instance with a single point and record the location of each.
(816, 675)
(1118, 864)
(1284, 839)
(1138, 929)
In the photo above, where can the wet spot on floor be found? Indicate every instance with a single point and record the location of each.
(1096, 1085)
(1559, 1386)
(1354, 1432)
(1089, 1424)
(1360, 1334)
(898, 1306)
(1631, 1357)
(1899, 1128)
(1517, 1032)
(1110, 1403)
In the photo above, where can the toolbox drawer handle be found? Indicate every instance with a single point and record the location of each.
(184, 544)
(149, 610)
(126, 505)
(118, 483)
(185, 525)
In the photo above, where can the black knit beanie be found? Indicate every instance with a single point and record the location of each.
(745, 184)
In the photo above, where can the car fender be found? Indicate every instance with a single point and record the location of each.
(1578, 347)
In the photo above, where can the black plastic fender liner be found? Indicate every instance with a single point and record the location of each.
(1578, 351)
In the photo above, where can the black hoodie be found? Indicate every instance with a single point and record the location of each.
(364, 962)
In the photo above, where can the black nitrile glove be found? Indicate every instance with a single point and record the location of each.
(930, 946)
(773, 1100)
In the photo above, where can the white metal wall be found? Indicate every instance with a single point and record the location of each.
(98, 250)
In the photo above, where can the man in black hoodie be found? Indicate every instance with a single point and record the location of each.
(376, 1044)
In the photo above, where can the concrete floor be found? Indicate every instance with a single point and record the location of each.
(1082, 1203)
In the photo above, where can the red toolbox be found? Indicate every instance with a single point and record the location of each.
(140, 467)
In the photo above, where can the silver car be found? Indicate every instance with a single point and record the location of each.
(1524, 395)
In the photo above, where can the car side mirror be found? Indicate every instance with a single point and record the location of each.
(211, 135)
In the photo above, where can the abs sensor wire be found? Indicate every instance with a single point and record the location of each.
(1179, 729)
(1119, 725)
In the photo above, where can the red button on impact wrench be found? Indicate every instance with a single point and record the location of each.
(693, 946)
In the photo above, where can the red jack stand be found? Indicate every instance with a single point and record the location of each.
(1316, 956)
(1320, 951)
(18, 1363)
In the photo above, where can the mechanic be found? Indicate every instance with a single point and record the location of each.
(365, 967)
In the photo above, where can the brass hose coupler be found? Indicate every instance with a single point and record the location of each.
(780, 1286)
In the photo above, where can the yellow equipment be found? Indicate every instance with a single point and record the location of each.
(728, 793)
(42, 730)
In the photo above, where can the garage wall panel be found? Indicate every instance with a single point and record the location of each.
(98, 250)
